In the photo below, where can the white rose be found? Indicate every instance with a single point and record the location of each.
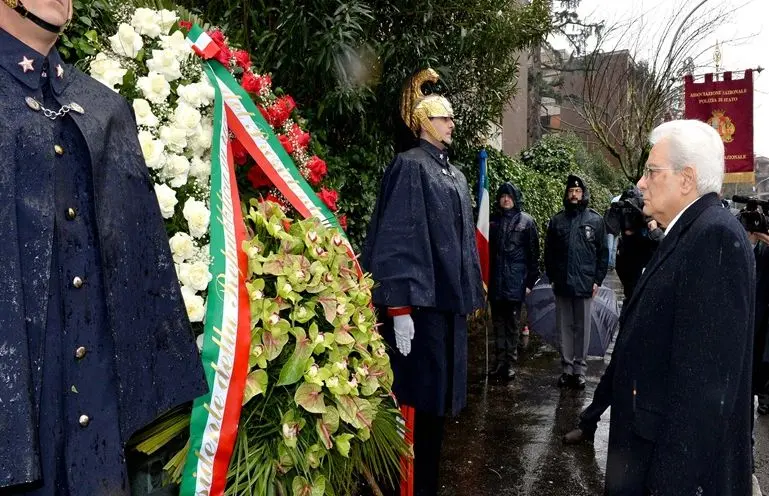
(196, 307)
(165, 62)
(182, 246)
(154, 87)
(194, 94)
(188, 118)
(195, 275)
(200, 169)
(199, 342)
(167, 19)
(107, 71)
(152, 150)
(197, 216)
(126, 41)
(174, 138)
(146, 22)
(166, 199)
(176, 169)
(202, 142)
(144, 115)
(177, 44)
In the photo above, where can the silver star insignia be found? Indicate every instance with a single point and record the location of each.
(59, 71)
(26, 64)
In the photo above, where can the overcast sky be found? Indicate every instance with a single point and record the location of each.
(750, 19)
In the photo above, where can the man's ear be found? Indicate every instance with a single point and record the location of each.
(689, 175)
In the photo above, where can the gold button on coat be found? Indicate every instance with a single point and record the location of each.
(58, 149)
(77, 282)
(71, 213)
(84, 420)
(80, 352)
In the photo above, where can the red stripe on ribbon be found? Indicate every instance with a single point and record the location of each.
(231, 416)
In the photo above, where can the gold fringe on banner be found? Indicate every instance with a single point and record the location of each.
(739, 177)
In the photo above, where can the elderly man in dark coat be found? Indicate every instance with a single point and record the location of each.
(94, 337)
(681, 367)
(422, 254)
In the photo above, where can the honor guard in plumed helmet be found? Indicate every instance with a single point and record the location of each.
(417, 108)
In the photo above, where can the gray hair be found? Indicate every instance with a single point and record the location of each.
(696, 144)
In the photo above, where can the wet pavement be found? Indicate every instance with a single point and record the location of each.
(507, 442)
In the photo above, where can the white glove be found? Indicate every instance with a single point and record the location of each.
(403, 325)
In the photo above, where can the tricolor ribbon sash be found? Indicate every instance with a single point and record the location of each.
(215, 416)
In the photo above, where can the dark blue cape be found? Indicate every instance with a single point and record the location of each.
(156, 365)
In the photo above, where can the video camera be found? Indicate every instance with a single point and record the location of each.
(626, 214)
(751, 218)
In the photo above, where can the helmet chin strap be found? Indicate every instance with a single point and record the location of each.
(23, 12)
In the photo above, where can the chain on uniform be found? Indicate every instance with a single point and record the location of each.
(53, 115)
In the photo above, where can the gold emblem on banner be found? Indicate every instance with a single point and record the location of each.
(723, 124)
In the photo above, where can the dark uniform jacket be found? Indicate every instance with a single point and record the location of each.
(680, 370)
(94, 338)
(576, 255)
(514, 247)
(421, 252)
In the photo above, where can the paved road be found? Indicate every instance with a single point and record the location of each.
(508, 440)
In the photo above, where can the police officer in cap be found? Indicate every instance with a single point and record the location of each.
(576, 261)
(421, 252)
(94, 337)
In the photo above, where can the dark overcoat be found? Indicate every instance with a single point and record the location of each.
(123, 332)
(421, 252)
(680, 370)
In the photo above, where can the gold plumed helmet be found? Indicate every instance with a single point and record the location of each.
(417, 108)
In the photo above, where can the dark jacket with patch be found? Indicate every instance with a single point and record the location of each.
(100, 277)
(576, 255)
(514, 246)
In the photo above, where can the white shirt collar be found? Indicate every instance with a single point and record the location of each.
(669, 228)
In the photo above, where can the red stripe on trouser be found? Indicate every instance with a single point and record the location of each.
(407, 462)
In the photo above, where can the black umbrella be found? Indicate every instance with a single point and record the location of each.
(604, 317)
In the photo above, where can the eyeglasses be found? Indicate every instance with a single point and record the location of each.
(648, 171)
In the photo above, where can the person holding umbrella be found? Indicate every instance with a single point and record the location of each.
(514, 244)
(576, 262)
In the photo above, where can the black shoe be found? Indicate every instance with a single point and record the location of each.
(578, 381)
(510, 373)
(499, 371)
(564, 380)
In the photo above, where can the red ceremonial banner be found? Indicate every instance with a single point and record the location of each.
(727, 106)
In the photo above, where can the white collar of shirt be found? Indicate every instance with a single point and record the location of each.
(669, 228)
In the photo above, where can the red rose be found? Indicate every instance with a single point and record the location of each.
(257, 178)
(185, 25)
(252, 84)
(242, 58)
(239, 153)
(265, 81)
(286, 143)
(224, 55)
(317, 170)
(217, 36)
(329, 197)
(342, 222)
(286, 103)
(276, 116)
(302, 139)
